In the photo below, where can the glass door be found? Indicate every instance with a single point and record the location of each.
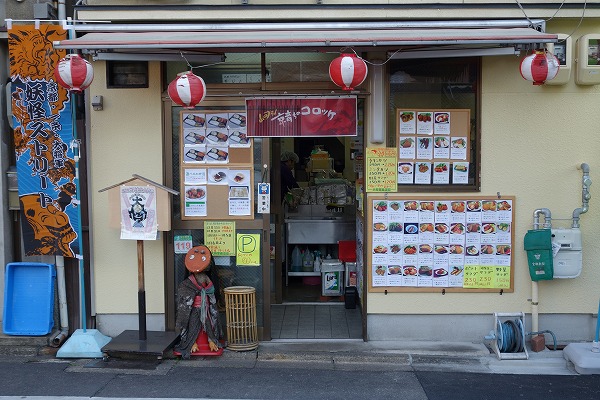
(190, 231)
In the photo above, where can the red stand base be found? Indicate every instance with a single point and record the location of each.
(203, 349)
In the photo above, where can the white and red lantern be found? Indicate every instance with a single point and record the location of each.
(187, 89)
(74, 73)
(539, 67)
(348, 71)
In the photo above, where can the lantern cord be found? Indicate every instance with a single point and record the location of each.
(580, 21)
(554, 15)
(370, 62)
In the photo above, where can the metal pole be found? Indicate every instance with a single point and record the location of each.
(141, 291)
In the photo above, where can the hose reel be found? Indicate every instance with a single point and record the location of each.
(508, 338)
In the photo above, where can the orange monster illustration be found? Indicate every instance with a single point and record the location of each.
(48, 227)
(41, 143)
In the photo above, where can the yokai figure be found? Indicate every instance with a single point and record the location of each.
(197, 311)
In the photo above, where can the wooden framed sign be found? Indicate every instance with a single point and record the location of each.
(217, 174)
(433, 243)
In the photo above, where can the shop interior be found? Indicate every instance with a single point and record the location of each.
(317, 219)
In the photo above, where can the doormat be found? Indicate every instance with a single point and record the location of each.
(147, 365)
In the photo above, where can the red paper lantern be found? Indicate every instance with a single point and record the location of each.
(539, 67)
(74, 73)
(187, 89)
(348, 71)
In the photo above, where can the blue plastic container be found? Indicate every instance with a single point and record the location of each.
(28, 299)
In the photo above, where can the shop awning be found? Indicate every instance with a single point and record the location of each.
(279, 40)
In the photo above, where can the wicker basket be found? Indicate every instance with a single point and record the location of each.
(240, 307)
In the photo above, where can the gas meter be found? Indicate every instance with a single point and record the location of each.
(566, 248)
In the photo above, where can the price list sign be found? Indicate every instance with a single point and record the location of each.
(486, 277)
(381, 175)
(219, 237)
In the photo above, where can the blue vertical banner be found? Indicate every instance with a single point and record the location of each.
(43, 134)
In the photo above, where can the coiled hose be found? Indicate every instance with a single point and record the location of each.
(510, 338)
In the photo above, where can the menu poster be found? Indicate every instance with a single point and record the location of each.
(239, 200)
(423, 173)
(441, 173)
(193, 120)
(217, 136)
(424, 148)
(217, 154)
(458, 148)
(381, 164)
(441, 243)
(216, 165)
(405, 173)
(217, 176)
(194, 176)
(486, 277)
(460, 172)
(407, 122)
(194, 154)
(238, 138)
(434, 136)
(441, 147)
(425, 123)
(195, 201)
(193, 136)
(406, 147)
(441, 123)
(238, 176)
(219, 237)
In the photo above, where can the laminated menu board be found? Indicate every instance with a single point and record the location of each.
(436, 243)
(433, 145)
(216, 165)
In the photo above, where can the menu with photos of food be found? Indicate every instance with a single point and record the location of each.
(216, 165)
(462, 243)
(433, 146)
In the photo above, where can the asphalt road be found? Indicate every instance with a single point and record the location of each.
(299, 380)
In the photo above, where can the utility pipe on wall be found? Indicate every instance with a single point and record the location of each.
(534, 285)
(59, 337)
(585, 194)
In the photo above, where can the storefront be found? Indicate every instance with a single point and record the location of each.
(455, 84)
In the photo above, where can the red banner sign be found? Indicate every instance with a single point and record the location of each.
(301, 116)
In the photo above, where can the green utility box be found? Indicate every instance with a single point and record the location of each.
(538, 244)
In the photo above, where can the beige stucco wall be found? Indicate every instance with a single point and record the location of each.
(125, 139)
(532, 140)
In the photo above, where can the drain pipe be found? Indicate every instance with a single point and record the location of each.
(585, 195)
(534, 285)
(58, 337)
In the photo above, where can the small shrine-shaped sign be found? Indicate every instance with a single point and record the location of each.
(140, 207)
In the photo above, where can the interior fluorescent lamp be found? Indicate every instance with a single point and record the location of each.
(377, 125)
(493, 51)
(197, 58)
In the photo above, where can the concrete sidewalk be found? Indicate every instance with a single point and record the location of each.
(347, 354)
(412, 355)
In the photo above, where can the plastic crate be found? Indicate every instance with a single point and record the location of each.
(28, 299)
(347, 250)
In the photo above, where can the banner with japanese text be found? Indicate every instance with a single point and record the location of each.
(301, 116)
(43, 132)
